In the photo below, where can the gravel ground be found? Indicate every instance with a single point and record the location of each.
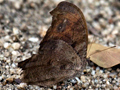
(23, 23)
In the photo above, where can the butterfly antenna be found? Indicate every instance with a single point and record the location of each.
(98, 51)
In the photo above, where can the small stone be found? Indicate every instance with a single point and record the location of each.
(73, 81)
(118, 24)
(42, 30)
(101, 71)
(97, 4)
(112, 74)
(32, 5)
(103, 85)
(13, 65)
(7, 45)
(107, 82)
(42, 33)
(88, 18)
(102, 22)
(24, 27)
(97, 68)
(6, 54)
(17, 4)
(7, 66)
(1, 78)
(105, 75)
(88, 70)
(1, 16)
(116, 88)
(49, 89)
(1, 1)
(71, 88)
(93, 72)
(7, 38)
(86, 84)
(15, 53)
(21, 86)
(96, 26)
(33, 39)
(16, 46)
(78, 80)
(1, 42)
(54, 86)
(15, 31)
(115, 32)
(56, 1)
(83, 78)
(96, 81)
(12, 71)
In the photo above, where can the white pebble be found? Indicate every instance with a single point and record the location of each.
(96, 25)
(56, 1)
(6, 53)
(22, 85)
(90, 1)
(107, 82)
(102, 22)
(54, 86)
(83, 79)
(12, 71)
(37, 88)
(8, 60)
(78, 80)
(105, 75)
(1, 78)
(43, 30)
(1, 1)
(33, 39)
(15, 53)
(101, 71)
(118, 23)
(16, 46)
(112, 74)
(96, 81)
(7, 66)
(15, 31)
(73, 81)
(115, 32)
(88, 18)
(7, 45)
(13, 65)
(93, 72)
(17, 4)
(111, 44)
(7, 38)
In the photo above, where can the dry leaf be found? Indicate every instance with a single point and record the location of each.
(107, 58)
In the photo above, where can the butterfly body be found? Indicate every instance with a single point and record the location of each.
(62, 52)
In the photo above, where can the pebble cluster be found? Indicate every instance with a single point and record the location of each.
(23, 23)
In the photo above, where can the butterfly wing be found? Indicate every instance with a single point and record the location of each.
(69, 25)
(61, 63)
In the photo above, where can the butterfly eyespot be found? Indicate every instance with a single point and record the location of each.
(61, 27)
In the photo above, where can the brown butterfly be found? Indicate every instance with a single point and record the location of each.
(62, 52)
